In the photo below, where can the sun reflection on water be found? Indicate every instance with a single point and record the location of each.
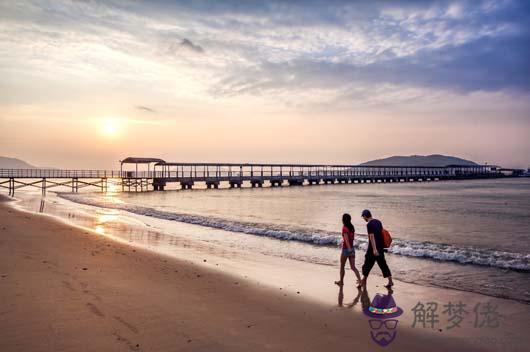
(113, 188)
(103, 218)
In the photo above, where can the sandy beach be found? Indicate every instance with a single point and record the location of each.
(64, 288)
(200, 175)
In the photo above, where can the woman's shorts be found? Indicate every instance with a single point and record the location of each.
(347, 253)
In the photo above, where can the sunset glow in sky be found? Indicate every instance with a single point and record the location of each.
(86, 83)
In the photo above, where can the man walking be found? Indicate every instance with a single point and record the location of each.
(375, 251)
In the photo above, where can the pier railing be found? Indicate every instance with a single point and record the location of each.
(247, 171)
(212, 174)
(250, 171)
(56, 173)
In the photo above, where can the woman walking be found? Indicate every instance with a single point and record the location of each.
(347, 252)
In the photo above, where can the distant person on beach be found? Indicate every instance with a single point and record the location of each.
(347, 252)
(375, 251)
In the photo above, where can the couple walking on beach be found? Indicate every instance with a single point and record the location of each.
(374, 253)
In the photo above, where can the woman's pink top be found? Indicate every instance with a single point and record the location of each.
(346, 233)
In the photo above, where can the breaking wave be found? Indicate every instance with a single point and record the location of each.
(434, 251)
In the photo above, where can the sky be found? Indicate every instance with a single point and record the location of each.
(84, 84)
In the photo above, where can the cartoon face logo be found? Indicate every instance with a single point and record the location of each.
(383, 325)
(383, 332)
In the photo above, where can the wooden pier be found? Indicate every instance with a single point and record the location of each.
(157, 174)
(275, 175)
(44, 179)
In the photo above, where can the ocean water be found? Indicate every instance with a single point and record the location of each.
(468, 235)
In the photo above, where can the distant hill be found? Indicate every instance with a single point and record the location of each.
(14, 163)
(420, 160)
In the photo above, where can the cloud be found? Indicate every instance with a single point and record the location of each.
(271, 48)
(185, 45)
(486, 64)
(145, 108)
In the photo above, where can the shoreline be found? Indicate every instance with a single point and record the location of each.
(332, 240)
(44, 260)
(410, 269)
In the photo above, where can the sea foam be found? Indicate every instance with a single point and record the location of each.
(429, 250)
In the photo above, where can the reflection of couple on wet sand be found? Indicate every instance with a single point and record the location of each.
(374, 253)
(362, 295)
(382, 312)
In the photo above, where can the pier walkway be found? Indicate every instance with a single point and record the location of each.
(159, 174)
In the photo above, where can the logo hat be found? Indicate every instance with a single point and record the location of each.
(383, 307)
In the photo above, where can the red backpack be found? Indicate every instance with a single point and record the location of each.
(387, 239)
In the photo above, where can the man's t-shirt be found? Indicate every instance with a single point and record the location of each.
(375, 226)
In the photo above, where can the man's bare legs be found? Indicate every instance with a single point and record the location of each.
(390, 282)
(388, 285)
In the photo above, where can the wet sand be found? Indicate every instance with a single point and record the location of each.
(63, 288)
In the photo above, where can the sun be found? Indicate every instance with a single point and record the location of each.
(110, 128)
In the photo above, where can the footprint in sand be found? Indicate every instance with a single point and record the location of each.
(68, 285)
(94, 309)
(127, 324)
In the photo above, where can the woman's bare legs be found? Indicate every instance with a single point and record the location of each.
(355, 271)
(342, 271)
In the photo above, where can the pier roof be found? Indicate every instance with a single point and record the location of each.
(135, 160)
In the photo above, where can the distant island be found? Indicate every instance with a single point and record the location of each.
(14, 163)
(420, 160)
